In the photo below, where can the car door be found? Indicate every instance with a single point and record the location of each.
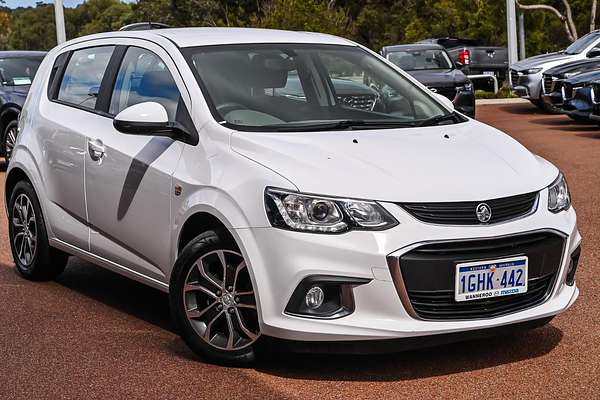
(128, 177)
(68, 116)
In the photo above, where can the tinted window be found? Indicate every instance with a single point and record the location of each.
(411, 60)
(19, 71)
(144, 77)
(81, 81)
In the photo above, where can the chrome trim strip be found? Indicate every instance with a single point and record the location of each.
(393, 261)
(110, 265)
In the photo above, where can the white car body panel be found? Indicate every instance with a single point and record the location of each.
(226, 174)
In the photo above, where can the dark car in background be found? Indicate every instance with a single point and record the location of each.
(473, 57)
(580, 100)
(17, 70)
(431, 65)
(553, 79)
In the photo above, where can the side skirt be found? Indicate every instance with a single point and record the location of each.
(110, 265)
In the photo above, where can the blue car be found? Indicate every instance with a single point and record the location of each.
(17, 70)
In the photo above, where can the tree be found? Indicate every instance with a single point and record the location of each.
(566, 17)
(307, 15)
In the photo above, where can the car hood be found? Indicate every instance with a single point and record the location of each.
(439, 78)
(584, 77)
(468, 161)
(541, 60)
(573, 66)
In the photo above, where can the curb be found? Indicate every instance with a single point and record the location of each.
(483, 102)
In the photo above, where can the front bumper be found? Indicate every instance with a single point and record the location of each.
(527, 86)
(280, 260)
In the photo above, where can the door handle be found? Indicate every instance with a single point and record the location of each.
(96, 149)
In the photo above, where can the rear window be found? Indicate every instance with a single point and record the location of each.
(83, 75)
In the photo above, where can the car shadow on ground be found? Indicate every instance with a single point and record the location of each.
(521, 109)
(436, 361)
(152, 306)
(116, 291)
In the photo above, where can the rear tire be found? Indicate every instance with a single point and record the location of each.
(212, 300)
(34, 258)
(9, 139)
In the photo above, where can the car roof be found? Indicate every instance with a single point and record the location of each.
(191, 37)
(414, 46)
(21, 53)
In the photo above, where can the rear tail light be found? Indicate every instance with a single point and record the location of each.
(464, 57)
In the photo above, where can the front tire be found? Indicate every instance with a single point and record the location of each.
(34, 258)
(213, 302)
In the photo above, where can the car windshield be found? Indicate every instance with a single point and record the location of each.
(18, 71)
(412, 60)
(582, 43)
(304, 87)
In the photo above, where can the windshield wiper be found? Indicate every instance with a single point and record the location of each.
(439, 119)
(339, 125)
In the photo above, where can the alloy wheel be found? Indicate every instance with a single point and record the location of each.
(219, 301)
(9, 143)
(24, 230)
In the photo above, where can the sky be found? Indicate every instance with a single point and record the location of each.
(27, 3)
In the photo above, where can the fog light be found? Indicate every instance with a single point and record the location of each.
(314, 297)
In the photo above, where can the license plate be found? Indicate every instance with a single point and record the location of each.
(489, 73)
(486, 279)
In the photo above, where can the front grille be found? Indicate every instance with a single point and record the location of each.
(448, 92)
(514, 77)
(429, 274)
(463, 213)
(548, 84)
(362, 102)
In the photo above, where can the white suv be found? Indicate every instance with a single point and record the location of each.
(284, 185)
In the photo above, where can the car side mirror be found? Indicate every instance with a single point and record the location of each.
(458, 64)
(445, 101)
(593, 53)
(148, 118)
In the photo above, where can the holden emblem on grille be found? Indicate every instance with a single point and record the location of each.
(483, 212)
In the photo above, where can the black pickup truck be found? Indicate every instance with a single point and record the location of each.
(473, 58)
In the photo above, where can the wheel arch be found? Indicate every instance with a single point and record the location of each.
(200, 222)
(15, 175)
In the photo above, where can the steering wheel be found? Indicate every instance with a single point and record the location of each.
(226, 108)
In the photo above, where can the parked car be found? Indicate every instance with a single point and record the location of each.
(553, 79)
(17, 70)
(347, 92)
(474, 58)
(431, 65)
(579, 99)
(170, 156)
(526, 75)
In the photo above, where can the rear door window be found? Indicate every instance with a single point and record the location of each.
(83, 75)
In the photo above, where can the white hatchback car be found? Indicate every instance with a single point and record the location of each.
(285, 185)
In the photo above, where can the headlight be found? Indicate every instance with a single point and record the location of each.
(532, 71)
(308, 213)
(559, 198)
(568, 75)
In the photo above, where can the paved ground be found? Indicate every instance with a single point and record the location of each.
(93, 334)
